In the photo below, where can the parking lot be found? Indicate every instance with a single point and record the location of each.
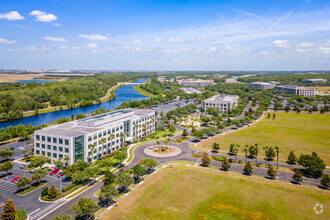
(18, 147)
(165, 107)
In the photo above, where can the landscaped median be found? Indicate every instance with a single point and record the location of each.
(32, 187)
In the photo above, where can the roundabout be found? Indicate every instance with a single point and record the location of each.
(162, 151)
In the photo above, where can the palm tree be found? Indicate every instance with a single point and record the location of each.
(256, 150)
(147, 125)
(235, 150)
(277, 148)
(245, 151)
(102, 141)
(136, 130)
(265, 148)
(144, 129)
(123, 136)
(158, 142)
(112, 136)
(168, 141)
(92, 147)
(66, 159)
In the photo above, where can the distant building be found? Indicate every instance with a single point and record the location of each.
(74, 138)
(221, 102)
(262, 85)
(196, 82)
(220, 75)
(163, 80)
(314, 80)
(191, 90)
(296, 90)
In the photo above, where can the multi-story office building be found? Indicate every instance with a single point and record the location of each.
(196, 82)
(262, 85)
(221, 102)
(296, 90)
(191, 90)
(314, 80)
(76, 139)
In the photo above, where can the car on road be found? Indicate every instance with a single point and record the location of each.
(12, 148)
(23, 166)
(8, 177)
(60, 174)
(15, 179)
(54, 171)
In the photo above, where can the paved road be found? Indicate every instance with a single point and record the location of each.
(18, 146)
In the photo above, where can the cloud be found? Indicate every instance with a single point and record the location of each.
(213, 49)
(325, 50)
(306, 45)
(93, 37)
(5, 41)
(11, 16)
(137, 42)
(266, 53)
(171, 51)
(57, 24)
(30, 48)
(57, 39)
(175, 39)
(92, 46)
(202, 38)
(281, 43)
(43, 16)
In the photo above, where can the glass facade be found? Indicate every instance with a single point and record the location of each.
(78, 148)
(127, 127)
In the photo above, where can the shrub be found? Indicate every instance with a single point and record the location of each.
(20, 214)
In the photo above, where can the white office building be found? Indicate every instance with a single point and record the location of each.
(221, 102)
(75, 139)
(314, 80)
(262, 85)
(191, 90)
(296, 90)
(196, 82)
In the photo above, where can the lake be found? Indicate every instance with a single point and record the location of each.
(125, 93)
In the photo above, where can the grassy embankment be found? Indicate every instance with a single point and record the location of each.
(195, 193)
(303, 133)
(143, 92)
(322, 89)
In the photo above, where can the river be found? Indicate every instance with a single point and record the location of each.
(125, 93)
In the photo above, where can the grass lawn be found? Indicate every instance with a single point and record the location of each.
(303, 133)
(143, 92)
(194, 193)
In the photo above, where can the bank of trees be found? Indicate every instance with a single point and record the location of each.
(19, 131)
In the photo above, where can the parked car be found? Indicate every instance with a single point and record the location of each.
(15, 179)
(23, 166)
(54, 171)
(9, 177)
(12, 148)
(60, 174)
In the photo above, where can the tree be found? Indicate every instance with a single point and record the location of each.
(225, 164)
(123, 136)
(124, 180)
(185, 133)
(277, 153)
(198, 134)
(314, 165)
(138, 170)
(325, 181)
(171, 129)
(44, 191)
(108, 193)
(6, 166)
(274, 115)
(9, 211)
(245, 151)
(23, 181)
(206, 160)
(271, 172)
(92, 147)
(292, 159)
(248, 169)
(52, 192)
(150, 163)
(216, 146)
(85, 207)
(64, 217)
(39, 174)
(193, 129)
(6, 152)
(297, 177)
(58, 162)
(109, 178)
(270, 153)
(66, 159)
(39, 161)
(265, 148)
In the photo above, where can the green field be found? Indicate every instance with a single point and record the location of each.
(195, 193)
(143, 92)
(303, 133)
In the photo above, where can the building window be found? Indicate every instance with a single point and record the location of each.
(60, 141)
(100, 134)
(113, 130)
(43, 138)
(37, 152)
(43, 152)
(94, 136)
(54, 140)
(43, 146)
(60, 156)
(54, 148)
(66, 142)
(60, 149)
(37, 145)
(49, 139)
(104, 133)
(48, 154)
(49, 147)
(89, 138)
(54, 155)
(37, 137)
(66, 150)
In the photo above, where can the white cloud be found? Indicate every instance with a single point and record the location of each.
(281, 43)
(63, 47)
(137, 42)
(57, 39)
(5, 41)
(30, 48)
(306, 45)
(266, 53)
(175, 39)
(43, 16)
(11, 16)
(158, 39)
(92, 46)
(94, 37)
(57, 24)
(202, 38)
(171, 51)
(213, 49)
(325, 50)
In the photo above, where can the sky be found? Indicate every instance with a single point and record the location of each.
(222, 35)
